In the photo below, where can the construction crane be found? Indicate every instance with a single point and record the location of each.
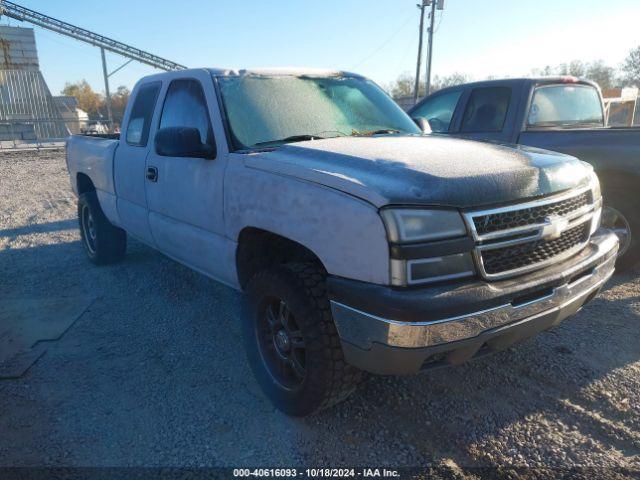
(15, 11)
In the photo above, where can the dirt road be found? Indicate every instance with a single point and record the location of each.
(153, 373)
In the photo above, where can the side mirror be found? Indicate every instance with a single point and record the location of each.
(182, 142)
(423, 123)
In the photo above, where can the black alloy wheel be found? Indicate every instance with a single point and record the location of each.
(281, 343)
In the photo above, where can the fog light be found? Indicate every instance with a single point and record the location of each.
(429, 270)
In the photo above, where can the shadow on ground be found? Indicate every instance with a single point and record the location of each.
(154, 374)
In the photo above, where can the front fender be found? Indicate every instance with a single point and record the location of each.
(344, 232)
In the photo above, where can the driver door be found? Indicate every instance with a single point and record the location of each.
(184, 194)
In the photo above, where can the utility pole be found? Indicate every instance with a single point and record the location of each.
(106, 89)
(440, 4)
(417, 84)
(430, 48)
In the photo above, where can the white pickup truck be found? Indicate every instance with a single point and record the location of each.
(360, 242)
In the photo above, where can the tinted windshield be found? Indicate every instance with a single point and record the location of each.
(565, 105)
(276, 109)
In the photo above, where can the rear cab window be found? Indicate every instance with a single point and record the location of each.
(141, 114)
(566, 105)
(486, 110)
(438, 110)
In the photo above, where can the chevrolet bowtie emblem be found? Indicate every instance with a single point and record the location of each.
(553, 228)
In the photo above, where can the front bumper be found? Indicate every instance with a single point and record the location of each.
(389, 331)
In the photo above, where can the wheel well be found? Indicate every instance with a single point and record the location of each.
(260, 249)
(84, 184)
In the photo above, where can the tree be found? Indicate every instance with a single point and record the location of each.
(547, 71)
(119, 102)
(88, 100)
(575, 68)
(631, 67)
(597, 71)
(403, 86)
(405, 83)
(438, 82)
(602, 74)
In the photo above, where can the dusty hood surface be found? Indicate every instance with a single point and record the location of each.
(425, 170)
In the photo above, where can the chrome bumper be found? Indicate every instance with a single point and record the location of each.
(366, 332)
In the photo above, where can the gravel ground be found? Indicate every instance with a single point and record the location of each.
(153, 373)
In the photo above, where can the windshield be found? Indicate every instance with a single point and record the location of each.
(271, 110)
(565, 106)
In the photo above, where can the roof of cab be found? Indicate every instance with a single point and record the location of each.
(283, 71)
(519, 80)
(230, 72)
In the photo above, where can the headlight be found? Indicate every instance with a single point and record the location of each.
(597, 202)
(407, 227)
(595, 187)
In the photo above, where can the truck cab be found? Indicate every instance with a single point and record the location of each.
(563, 114)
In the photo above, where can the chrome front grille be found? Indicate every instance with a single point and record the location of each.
(506, 259)
(524, 237)
(505, 220)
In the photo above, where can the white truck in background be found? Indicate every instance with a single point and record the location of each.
(359, 241)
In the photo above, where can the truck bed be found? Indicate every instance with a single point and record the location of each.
(604, 148)
(92, 155)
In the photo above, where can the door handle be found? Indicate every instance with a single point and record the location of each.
(152, 174)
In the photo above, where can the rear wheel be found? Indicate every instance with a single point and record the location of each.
(103, 242)
(292, 343)
(620, 215)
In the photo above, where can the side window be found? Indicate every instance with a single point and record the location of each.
(185, 106)
(438, 110)
(486, 110)
(141, 114)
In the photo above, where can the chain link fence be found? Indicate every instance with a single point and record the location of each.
(35, 134)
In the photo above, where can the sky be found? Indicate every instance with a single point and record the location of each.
(377, 38)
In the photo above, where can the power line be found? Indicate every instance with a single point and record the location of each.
(439, 22)
(384, 44)
(406, 51)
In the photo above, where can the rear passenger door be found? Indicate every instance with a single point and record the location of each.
(185, 195)
(488, 113)
(130, 159)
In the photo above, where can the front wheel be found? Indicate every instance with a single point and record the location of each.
(291, 341)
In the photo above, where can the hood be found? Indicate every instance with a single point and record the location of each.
(426, 170)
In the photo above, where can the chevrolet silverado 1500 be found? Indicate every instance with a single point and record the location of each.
(359, 242)
(563, 114)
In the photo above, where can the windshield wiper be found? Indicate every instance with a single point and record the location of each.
(563, 124)
(304, 137)
(290, 139)
(368, 133)
(586, 124)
